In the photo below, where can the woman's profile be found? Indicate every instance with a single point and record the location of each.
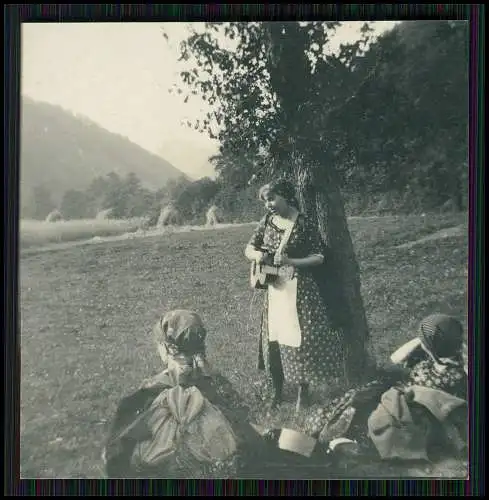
(298, 343)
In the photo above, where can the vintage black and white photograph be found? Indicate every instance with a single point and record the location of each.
(244, 250)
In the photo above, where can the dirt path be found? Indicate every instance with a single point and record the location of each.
(444, 233)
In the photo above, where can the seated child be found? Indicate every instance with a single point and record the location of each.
(431, 376)
(441, 339)
(187, 421)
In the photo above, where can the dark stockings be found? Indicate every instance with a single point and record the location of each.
(277, 378)
(276, 373)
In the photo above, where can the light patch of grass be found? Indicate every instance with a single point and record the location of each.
(37, 233)
(375, 233)
(87, 314)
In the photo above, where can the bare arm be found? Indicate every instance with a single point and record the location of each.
(312, 249)
(309, 261)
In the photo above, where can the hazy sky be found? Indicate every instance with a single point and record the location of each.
(118, 74)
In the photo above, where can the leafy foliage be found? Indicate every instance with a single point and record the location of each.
(195, 198)
(390, 117)
(75, 205)
(264, 88)
(410, 136)
(386, 121)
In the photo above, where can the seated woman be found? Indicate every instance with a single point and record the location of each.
(429, 367)
(441, 339)
(187, 421)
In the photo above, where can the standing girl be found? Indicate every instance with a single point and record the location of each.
(297, 343)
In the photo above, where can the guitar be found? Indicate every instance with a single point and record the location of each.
(262, 275)
(265, 273)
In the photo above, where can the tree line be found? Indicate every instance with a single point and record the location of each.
(126, 197)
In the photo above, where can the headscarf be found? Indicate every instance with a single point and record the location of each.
(281, 187)
(182, 332)
(180, 336)
(441, 335)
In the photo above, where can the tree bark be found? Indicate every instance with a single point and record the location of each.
(339, 277)
(320, 199)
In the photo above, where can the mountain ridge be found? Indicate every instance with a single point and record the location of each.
(61, 150)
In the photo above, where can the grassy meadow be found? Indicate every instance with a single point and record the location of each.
(87, 314)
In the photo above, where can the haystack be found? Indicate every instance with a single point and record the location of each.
(211, 217)
(169, 216)
(54, 216)
(104, 214)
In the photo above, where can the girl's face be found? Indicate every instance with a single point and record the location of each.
(275, 203)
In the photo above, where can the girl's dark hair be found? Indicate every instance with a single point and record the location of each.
(281, 187)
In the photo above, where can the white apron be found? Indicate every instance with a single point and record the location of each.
(283, 321)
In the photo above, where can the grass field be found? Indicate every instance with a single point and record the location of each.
(87, 314)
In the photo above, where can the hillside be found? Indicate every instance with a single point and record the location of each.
(62, 151)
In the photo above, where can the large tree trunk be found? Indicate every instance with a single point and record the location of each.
(320, 198)
(339, 278)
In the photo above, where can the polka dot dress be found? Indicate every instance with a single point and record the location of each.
(320, 358)
(451, 378)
